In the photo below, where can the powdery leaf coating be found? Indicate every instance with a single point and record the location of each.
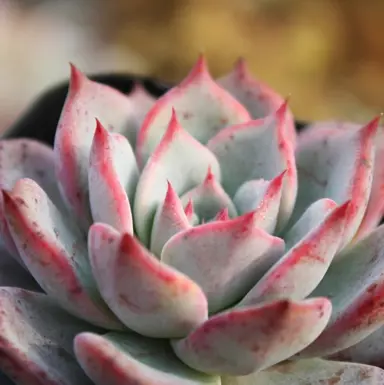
(55, 253)
(148, 296)
(112, 179)
(241, 341)
(225, 258)
(117, 359)
(202, 106)
(299, 271)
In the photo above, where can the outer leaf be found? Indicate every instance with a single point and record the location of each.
(170, 219)
(55, 253)
(242, 341)
(86, 101)
(301, 269)
(36, 340)
(258, 149)
(117, 359)
(112, 179)
(312, 372)
(225, 258)
(262, 196)
(180, 160)
(202, 106)
(326, 170)
(355, 285)
(148, 296)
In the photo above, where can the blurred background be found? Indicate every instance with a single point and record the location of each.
(328, 54)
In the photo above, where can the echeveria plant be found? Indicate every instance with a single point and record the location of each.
(192, 240)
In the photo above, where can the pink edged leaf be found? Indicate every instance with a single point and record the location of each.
(180, 160)
(127, 358)
(326, 170)
(25, 158)
(222, 215)
(241, 341)
(261, 196)
(225, 258)
(170, 218)
(55, 253)
(36, 340)
(148, 296)
(112, 178)
(258, 98)
(202, 107)
(190, 213)
(312, 372)
(259, 149)
(355, 285)
(86, 101)
(209, 198)
(300, 270)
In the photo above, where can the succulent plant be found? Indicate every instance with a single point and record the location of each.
(191, 240)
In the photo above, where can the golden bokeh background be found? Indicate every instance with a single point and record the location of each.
(327, 54)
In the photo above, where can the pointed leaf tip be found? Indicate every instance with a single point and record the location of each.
(199, 70)
(77, 78)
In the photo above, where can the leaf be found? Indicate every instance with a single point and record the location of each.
(202, 107)
(148, 296)
(312, 372)
(225, 258)
(86, 101)
(258, 149)
(180, 160)
(36, 340)
(300, 270)
(118, 358)
(112, 178)
(355, 285)
(55, 253)
(241, 341)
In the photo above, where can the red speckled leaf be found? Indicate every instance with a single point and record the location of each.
(36, 340)
(225, 258)
(242, 341)
(301, 269)
(170, 219)
(117, 359)
(112, 178)
(55, 253)
(148, 296)
(258, 149)
(355, 285)
(261, 196)
(259, 99)
(179, 159)
(86, 101)
(326, 170)
(312, 372)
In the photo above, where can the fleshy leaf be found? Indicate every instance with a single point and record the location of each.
(209, 198)
(178, 159)
(128, 358)
(225, 258)
(25, 158)
(300, 270)
(170, 219)
(326, 170)
(55, 253)
(86, 101)
(113, 175)
(36, 340)
(202, 107)
(261, 196)
(355, 285)
(312, 372)
(242, 341)
(148, 296)
(258, 149)
(258, 98)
